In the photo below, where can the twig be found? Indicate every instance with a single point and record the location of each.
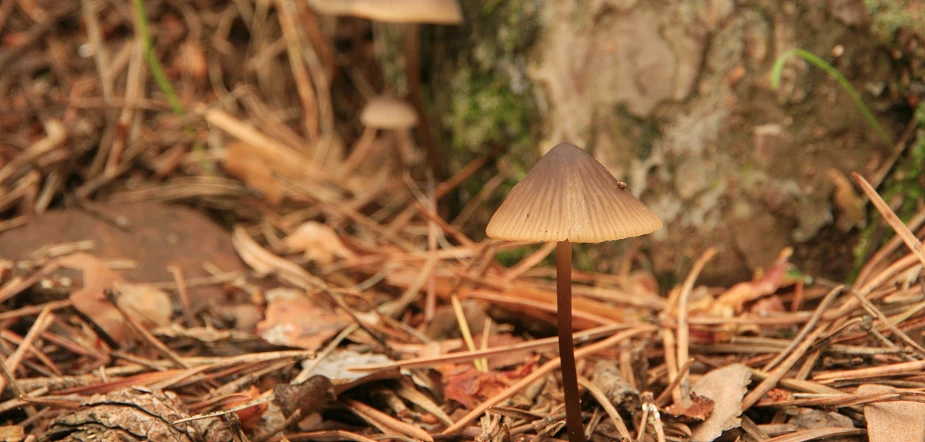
(537, 374)
(683, 371)
(683, 328)
(372, 415)
(775, 376)
(466, 356)
(42, 322)
(817, 315)
(877, 314)
(890, 217)
(602, 399)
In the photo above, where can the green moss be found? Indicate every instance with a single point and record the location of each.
(890, 16)
(485, 110)
(481, 96)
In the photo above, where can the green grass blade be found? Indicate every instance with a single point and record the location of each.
(846, 85)
(163, 83)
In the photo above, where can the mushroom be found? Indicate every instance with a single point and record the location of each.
(393, 11)
(570, 197)
(409, 13)
(384, 112)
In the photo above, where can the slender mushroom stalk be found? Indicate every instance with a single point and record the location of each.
(573, 421)
(569, 197)
(384, 112)
(411, 13)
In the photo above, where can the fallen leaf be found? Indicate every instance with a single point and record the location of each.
(151, 305)
(767, 306)
(265, 262)
(335, 365)
(249, 416)
(737, 296)
(294, 320)
(250, 166)
(725, 387)
(465, 384)
(694, 410)
(91, 300)
(892, 421)
(319, 242)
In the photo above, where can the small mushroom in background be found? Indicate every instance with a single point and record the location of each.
(410, 14)
(386, 113)
(570, 197)
(393, 11)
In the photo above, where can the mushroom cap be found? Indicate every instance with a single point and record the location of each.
(388, 112)
(569, 196)
(394, 11)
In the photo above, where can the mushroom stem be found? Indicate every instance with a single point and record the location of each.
(573, 421)
(413, 76)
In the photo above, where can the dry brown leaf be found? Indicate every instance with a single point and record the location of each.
(893, 421)
(767, 306)
(250, 165)
(334, 366)
(319, 242)
(147, 303)
(733, 301)
(264, 262)
(466, 385)
(695, 409)
(249, 416)
(725, 387)
(91, 300)
(294, 320)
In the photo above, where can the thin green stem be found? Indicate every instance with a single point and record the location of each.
(153, 63)
(846, 85)
(163, 83)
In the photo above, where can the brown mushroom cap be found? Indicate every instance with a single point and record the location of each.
(394, 11)
(387, 112)
(569, 196)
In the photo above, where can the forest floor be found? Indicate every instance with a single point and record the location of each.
(184, 256)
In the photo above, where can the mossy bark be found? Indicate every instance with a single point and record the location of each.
(674, 98)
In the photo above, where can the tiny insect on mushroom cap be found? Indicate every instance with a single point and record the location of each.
(569, 196)
(445, 12)
(388, 112)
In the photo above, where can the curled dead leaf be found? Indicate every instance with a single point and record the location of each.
(733, 301)
(249, 165)
(296, 321)
(151, 305)
(319, 242)
(91, 300)
(249, 416)
(725, 387)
